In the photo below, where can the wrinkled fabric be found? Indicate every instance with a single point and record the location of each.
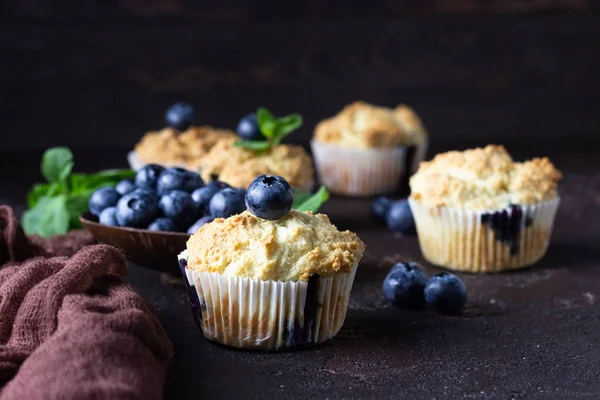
(70, 328)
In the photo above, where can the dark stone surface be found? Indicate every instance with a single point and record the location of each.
(528, 334)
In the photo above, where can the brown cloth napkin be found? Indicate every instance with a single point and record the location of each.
(70, 328)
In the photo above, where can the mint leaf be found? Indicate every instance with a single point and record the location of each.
(80, 183)
(40, 190)
(254, 145)
(299, 198)
(287, 125)
(314, 202)
(49, 217)
(57, 163)
(266, 122)
(77, 205)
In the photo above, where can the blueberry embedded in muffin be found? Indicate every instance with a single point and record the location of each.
(480, 211)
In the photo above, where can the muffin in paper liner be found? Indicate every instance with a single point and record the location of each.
(484, 241)
(267, 315)
(365, 172)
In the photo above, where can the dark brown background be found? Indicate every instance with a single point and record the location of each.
(98, 74)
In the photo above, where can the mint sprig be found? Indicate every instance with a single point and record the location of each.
(310, 202)
(272, 128)
(54, 207)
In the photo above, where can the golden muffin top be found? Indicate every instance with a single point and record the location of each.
(186, 148)
(483, 178)
(362, 125)
(238, 166)
(291, 248)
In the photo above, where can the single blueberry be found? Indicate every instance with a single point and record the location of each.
(403, 286)
(148, 175)
(227, 202)
(179, 206)
(148, 192)
(136, 210)
(445, 293)
(163, 224)
(399, 218)
(269, 197)
(108, 216)
(103, 198)
(379, 208)
(180, 116)
(125, 186)
(199, 224)
(203, 195)
(248, 128)
(178, 179)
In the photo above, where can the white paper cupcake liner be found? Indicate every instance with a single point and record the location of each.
(365, 172)
(484, 241)
(268, 315)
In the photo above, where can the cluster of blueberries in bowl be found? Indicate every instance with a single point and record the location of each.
(170, 200)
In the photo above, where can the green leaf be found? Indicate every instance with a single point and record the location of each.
(266, 122)
(57, 163)
(49, 217)
(252, 145)
(80, 183)
(299, 198)
(77, 205)
(286, 125)
(314, 202)
(40, 190)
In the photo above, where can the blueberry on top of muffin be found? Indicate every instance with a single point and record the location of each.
(483, 179)
(363, 125)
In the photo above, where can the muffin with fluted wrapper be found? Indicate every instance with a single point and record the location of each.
(480, 211)
(270, 278)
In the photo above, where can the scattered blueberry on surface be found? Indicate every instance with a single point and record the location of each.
(108, 216)
(148, 175)
(179, 206)
(248, 128)
(445, 293)
(203, 195)
(103, 198)
(199, 224)
(227, 202)
(178, 179)
(399, 218)
(125, 186)
(404, 284)
(379, 208)
(269, 197)
(163, 224)
(180, 116)
(136, 210)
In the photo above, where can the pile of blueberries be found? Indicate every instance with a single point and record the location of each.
(406, 286)
(171, 199)
(397, 215)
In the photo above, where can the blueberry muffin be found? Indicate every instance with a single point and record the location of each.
(237, 166)
(266, 284)
(170, 147)
(480, 211)
(366, 150)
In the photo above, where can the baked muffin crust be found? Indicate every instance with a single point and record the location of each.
(238, 167)
(483, 179)
(185, 148)
(289, 249)
(363, 125)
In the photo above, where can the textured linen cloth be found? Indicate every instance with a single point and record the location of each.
(70, 328)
